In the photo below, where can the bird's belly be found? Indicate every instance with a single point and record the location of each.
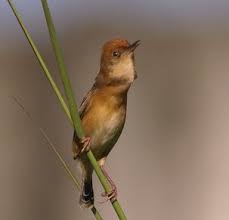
(107, 133)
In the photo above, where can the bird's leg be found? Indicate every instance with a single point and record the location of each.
(112, 195)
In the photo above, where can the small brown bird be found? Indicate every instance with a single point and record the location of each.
(103, 112)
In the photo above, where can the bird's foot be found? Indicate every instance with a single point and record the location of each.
(85, 144)
(112, 195)
(84, 147)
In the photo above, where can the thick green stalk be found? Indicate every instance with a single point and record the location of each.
(55, 88)
(63, 73)
(72, 104)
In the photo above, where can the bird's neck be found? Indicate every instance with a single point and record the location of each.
(115, 86)
(113, 96)
(115, 92)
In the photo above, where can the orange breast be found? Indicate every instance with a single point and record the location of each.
(103, 122)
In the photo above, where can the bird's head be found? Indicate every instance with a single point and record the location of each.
(117, 61)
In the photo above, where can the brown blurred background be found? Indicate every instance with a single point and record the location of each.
(171, 162)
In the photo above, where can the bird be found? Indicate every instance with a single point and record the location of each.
(103, 113)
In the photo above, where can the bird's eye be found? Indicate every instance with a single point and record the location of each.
(115, 54)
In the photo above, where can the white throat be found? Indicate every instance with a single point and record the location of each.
(124, 70)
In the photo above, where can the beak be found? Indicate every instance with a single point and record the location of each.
(133, 46)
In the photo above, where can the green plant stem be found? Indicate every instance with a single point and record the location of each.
(72, 104)
(51, 81)
(63, 73)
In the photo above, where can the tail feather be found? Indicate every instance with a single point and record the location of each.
(87, 195)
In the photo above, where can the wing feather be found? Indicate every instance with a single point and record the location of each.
(84, 107)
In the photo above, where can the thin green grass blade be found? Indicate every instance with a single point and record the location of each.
(72, 104)
(59, 156)
(41, 60)
(44, 134)
(68, 170)
(50, 79)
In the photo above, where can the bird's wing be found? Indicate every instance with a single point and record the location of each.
(84, 106)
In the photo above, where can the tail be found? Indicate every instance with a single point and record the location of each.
(87, 195)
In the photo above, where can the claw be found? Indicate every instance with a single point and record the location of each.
(85, 142)
(84, 145)
(112, 195)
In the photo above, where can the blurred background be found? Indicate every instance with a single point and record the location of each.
(171, 162)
